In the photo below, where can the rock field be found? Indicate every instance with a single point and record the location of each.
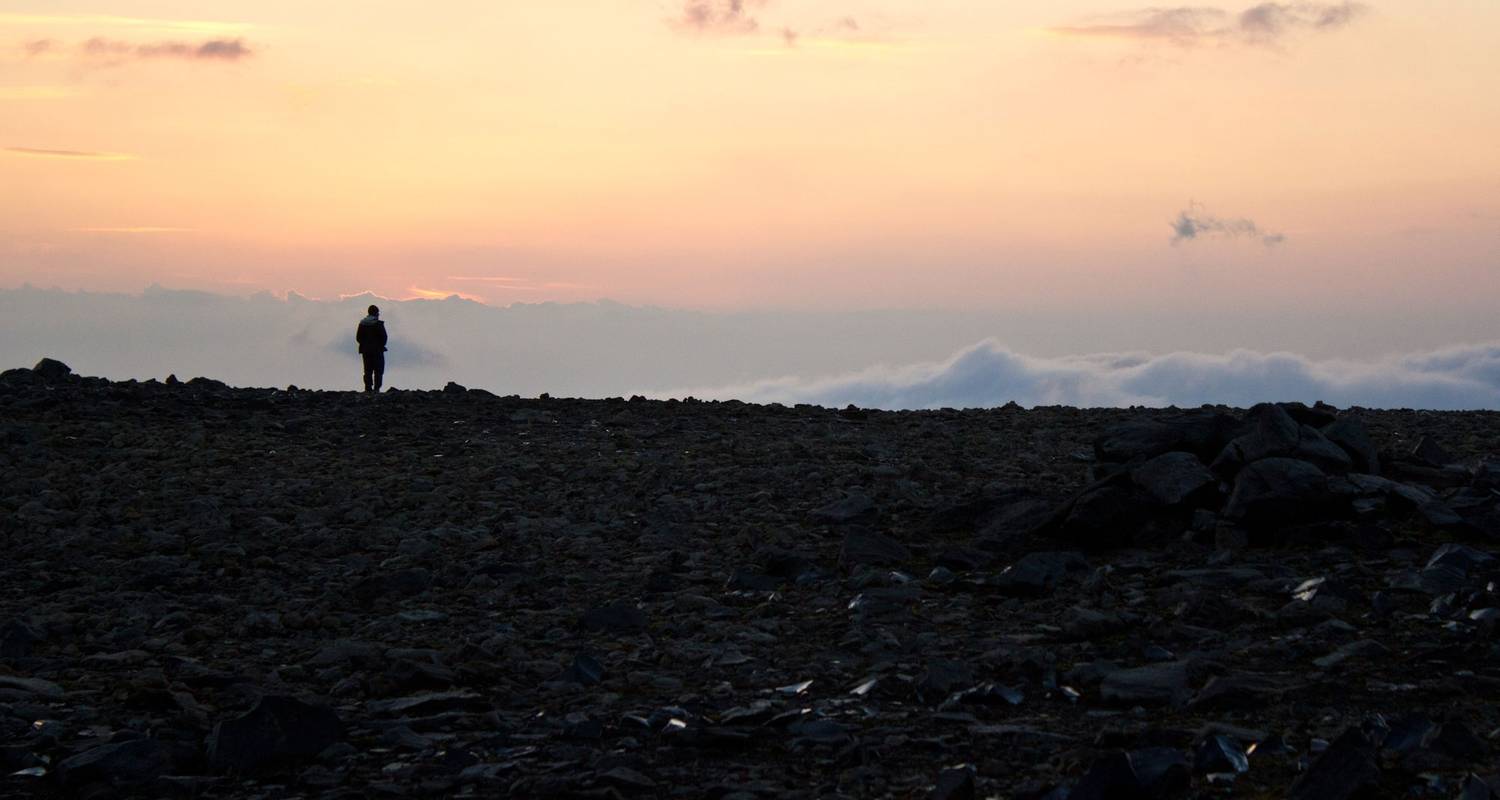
(253, 593)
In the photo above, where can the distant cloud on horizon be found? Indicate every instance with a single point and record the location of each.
(1266, 24)
(988, 375)
(1194, 222)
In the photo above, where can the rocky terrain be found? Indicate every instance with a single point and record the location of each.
(254, 593)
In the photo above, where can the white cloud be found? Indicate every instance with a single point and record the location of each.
(988, 374)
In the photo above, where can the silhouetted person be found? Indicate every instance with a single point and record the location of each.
(371, 338)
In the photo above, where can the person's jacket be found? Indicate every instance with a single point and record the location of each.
(370, 335)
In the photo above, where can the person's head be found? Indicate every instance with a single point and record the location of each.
(374, 311)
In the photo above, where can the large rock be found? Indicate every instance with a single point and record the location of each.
(1347, 769)
(1200, 432)
(1350, 434)
(276, 729)
(1275, 490)
(122, 764)
(1038, 574)
(864, 546)
(1154, 684)
(1273, 433)
(50, 369)
(1106, 514)
(1175, 478)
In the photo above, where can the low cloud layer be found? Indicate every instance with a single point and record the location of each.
(1266, 24)
(1194, 223)
(607, 349)
(988, 375)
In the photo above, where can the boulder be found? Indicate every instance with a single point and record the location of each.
(51, 370)
(1275, 490)
(1175, 478)
(1200, 432)
(1350, 434)
(276, 729)
(1273, 433)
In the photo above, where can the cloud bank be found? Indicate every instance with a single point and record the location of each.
(988, 375)
(1266, 24)
(719, 16)
(606, 349)
(1194, 222)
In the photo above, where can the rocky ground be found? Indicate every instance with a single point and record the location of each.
(246, 593)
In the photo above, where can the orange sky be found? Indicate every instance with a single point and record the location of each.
(791, 153)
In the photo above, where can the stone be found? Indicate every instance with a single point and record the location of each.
(1274, 434)
(1154, 684)
(1039, 574)
(852, 507)
(1161, 771)
(1202, 433)
(1277, 490)
(865, 546)
(954, 783)
(120, 765)
(1350, 434)
(1176, 478)
(51, 370)
(1429, 452)
(614, 618)
(276, 729)
(1347, 769)
(36, 686)
(1111, 777)
(1220, 754)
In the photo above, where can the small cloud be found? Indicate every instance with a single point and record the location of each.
(1266, 24)
(211, 50)
(37, 47)
(1194, 222)
(37, 152)
(723, 17)
(419, 293)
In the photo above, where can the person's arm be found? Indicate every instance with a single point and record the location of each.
(383, 336)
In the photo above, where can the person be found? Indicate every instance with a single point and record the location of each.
(371, 338)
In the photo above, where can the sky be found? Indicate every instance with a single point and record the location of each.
(829, 199)
(758, 154)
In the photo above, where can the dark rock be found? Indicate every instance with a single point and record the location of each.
(1429, 452)
(614, 618)
(1350, 434)
(1161, 771)
(1218, 754)
(1274, 434)
(1276, 490)
(864, 546)
(123, 764)
(17, 638)
(1112, 777)
(585, 670)
(1039, 574)
(1453, 567)
(1457, 741)
(402, 583)
(1241, 692)
(454, 388)
(1347, 769)
(276, 729)
(954, 783)
(1105, 515)
(1175, 478)
(51, 370)
(1155, 684)
(1202, 433)
(1015, 520)
(942, 678)
(849, 508)
(1317, 415)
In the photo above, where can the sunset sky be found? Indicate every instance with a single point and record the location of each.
(797, 154)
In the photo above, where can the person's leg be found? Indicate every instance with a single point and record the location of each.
(369, 368)
(379, 369)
